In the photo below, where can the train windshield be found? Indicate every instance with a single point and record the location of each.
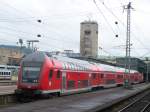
(31, 74)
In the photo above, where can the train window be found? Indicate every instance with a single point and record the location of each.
(83, 68)
(75, 67)
(120, 76)
(102, 75)
(85, 83)
(93, 76)
(71, 66)
(65, 66)
(58, 74)
(71, 84)
(110, 81)
(50, 74)
(79, 67)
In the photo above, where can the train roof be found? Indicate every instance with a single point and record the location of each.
(69, 61)
(88, 64)
(80, 64)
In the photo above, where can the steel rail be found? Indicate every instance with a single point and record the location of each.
(145, 108)
(123, 109)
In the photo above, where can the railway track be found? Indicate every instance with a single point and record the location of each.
(142, 104)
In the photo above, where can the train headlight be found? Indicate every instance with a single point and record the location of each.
(35, 81)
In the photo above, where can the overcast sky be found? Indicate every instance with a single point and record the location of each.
(60, 27)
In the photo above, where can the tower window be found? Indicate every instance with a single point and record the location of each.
(87, 32)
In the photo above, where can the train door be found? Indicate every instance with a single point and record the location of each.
(57, 80)
(54, 79)
(63, 81)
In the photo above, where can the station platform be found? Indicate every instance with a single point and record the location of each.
(8, 82)
(84, 102)
(7, 89)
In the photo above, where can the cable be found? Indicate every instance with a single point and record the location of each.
(33, 17)
(122, 23)
(112, 13)
(23, 13)
(57, 40)
(104, 16)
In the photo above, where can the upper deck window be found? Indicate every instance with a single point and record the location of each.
(120, 76)
(50, 74)
(58, 74)
(102, 75)
(93, 75)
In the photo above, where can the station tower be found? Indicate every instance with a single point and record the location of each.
(89, 39)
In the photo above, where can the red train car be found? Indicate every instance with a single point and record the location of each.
(43, 74)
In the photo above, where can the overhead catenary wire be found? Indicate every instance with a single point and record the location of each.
(123, 24)
(112, 13)
(33, 23)
(17, 10)
(28, 16)
(30, 35)
(104, 17)
(27, 33)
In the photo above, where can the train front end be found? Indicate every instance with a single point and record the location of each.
(29, 76)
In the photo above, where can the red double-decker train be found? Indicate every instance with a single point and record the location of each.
(42, 74)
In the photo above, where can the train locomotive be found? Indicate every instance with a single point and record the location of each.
(42, 74)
